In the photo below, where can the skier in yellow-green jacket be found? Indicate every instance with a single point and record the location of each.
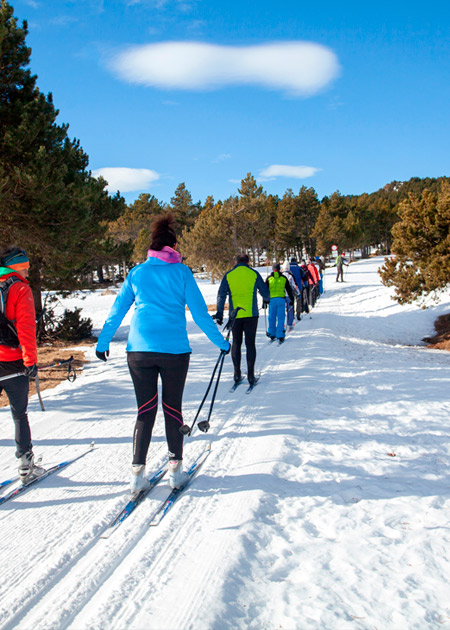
(241, 285)
(278, 286)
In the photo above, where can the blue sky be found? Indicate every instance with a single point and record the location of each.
(335, 95)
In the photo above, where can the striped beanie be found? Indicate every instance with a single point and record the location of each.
(16, 259)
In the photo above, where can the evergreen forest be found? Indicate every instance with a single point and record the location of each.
(78, 235)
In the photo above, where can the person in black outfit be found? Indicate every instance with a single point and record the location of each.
(240, 285)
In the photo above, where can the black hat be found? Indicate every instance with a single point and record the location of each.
(276, 266)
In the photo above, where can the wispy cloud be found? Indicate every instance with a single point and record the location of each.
(64, 20)
(183, 5)
(299, 68)
(221, 158)
(127, 179)
(32, 3)
(285, 170)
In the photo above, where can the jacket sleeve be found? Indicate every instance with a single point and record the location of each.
(199, 310)
(222, 293)
(119, 309)
(263, 288)
(25, 322)
(289, 290)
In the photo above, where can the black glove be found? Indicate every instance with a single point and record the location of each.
(102, 355)
(218, 318)
(265, 304)
(31, 371)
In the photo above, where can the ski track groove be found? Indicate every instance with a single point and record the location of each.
(69, 604)
(55, 573)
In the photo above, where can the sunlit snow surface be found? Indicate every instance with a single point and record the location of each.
(325, 502)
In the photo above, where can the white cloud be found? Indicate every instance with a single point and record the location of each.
(221, 158)
(300, 68)
(284, 170)
(126, 179)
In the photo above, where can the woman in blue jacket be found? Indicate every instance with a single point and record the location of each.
(158, 343)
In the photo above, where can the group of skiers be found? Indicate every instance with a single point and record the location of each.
(295, 285)
(158, 345)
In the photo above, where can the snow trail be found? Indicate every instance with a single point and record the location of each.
(324, 502)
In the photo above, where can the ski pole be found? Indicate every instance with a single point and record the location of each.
(56, 364)
(38, 391)
(71, 374)
(5, 378)
(204, 424)
(185, 429)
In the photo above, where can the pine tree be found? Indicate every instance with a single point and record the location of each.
(209, 244)
(252, 220)
(133, 226)
(329, 228)
(49, 202)
(421, 262)
(183, 208)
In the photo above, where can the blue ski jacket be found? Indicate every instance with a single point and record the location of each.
(160, 291)
(299, 275)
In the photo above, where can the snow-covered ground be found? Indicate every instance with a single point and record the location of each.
(325, 502)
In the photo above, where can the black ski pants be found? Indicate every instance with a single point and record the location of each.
(145, 367)
(17, 391)
(244, 326)
(340, 273)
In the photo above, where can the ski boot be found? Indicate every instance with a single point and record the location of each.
(28, 470)
(139, 482)
(177, 478)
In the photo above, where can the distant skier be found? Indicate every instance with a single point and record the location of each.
(320, 262)
(18, 351)
(240, 285)
(158, 344)
(314, 287)
(278, 286)
(308, 283)
(286, 269)
(302, 284)
(340, 262)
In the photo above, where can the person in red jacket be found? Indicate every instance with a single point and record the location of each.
(18, 351)
(313, 282)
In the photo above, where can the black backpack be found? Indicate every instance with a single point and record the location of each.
(8, 332)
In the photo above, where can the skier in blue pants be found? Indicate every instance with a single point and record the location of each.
(278, 286)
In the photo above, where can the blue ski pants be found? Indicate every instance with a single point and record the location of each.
(289, 312)
(276, 317)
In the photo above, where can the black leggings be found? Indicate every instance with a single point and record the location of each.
(17, 391)
(247, 326)
(144, 369)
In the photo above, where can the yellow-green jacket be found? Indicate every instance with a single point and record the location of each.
(279, 286)
(240, 285)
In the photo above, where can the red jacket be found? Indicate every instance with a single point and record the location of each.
(20, 311)
(314, 273)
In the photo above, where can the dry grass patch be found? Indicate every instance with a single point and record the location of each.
(441, 340)
(47, 355)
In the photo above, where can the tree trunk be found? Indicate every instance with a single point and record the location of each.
(101, 279)
(36, 286)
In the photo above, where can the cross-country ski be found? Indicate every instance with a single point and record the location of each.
(132, 504)
(35, 480)
(175, 494)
